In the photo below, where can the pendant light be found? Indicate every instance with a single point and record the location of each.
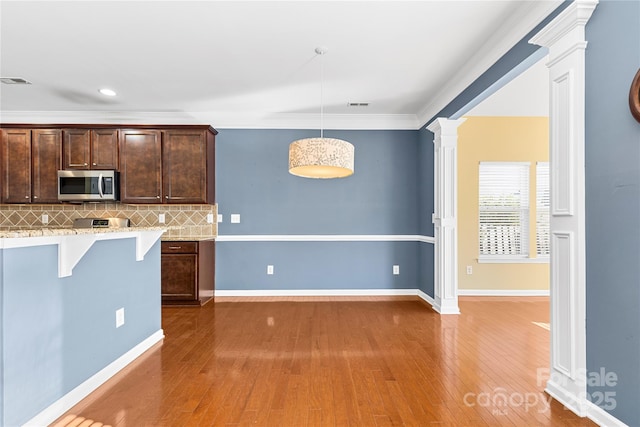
(321, 157)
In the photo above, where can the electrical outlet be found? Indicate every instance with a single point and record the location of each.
(219, 217)
(45, 219)
(119, 317)
(396, 270)
(235, 218)
(469, 269)
(269, 269)
(161, 218)
(209, 218)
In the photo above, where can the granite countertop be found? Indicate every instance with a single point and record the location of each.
(186, 238)
(40, 232)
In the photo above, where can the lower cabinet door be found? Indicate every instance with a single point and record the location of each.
(179, 277)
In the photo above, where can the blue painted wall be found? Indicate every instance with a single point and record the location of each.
(383, 197)
(316, 265)
(252, 179)
(58, 332)
(425, 179)
(1, 337)
(613, 203)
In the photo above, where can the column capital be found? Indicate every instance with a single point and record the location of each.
(444, 126)
(565, 33)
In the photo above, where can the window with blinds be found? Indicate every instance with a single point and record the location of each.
(504, 209)
(542, 209)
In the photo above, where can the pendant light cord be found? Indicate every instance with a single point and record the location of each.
(321, 95)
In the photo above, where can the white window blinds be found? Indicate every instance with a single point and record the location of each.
(542, 209)
(504, 209)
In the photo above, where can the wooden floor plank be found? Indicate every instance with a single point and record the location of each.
(302, 362)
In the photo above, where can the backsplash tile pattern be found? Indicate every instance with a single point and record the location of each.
(182, 221)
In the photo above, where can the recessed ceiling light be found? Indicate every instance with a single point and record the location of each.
(107, 92)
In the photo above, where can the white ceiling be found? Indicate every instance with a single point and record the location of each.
(251, 64)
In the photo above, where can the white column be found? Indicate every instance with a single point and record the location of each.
(565, 38)
(445, 221)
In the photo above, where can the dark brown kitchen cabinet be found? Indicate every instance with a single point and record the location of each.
(187, 166)
(30, 163)
(140, 166)
(16, 165)
(157, 164)
(90, 149)
(187, 271)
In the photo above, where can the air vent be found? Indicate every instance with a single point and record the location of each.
(14, 81)
(358, 104)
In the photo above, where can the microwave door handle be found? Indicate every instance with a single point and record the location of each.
(100, 184)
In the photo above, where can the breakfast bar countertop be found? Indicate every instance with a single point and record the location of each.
(44, 232)
(186, 238)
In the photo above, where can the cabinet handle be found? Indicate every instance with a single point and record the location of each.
(157, 197)
(166, 197)
(86, 164)
(175, 247)
(35, 197)
(92, 164)
(26, 197)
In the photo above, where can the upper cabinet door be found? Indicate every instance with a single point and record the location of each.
(90, 149)
(184, 166)
(16, 166)
(76, 148)
(104, 149)
(140, 166)
(46, 159)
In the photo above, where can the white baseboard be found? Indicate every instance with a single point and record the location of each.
(313, 292)
(426, 297)
(602, 417)
(66, 402)
(568, 399)
(504, 292)
(582, 407)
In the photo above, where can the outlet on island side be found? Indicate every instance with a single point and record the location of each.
(119, 317)
(396, 270)
(269, 269)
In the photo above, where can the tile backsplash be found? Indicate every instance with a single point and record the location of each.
(182, 221)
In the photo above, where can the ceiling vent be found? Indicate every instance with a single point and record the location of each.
(358, 104)
(14, 81)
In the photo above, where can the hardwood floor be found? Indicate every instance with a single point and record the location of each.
(337, 362)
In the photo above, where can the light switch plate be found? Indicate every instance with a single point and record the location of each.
(161, 218)
(210, 218)
(396, 270)
(269, 269)
(219, 217)
(45, 219)
(119, 317)
(235, 218)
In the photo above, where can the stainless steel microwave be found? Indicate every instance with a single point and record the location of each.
(88, 186)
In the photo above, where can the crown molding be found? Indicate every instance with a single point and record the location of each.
(219, 120)
(513, 30)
